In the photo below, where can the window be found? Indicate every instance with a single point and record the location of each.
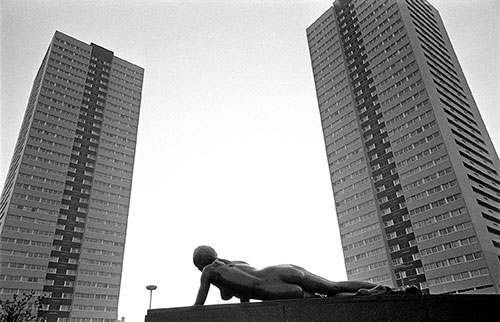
(397, 261)
(389, 223)
(394, 248)
(383, 199)
(392, 235)
(401, 274)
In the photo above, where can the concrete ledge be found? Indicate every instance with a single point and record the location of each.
(394, 308)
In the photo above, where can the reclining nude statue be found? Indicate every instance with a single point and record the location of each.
(239, 279)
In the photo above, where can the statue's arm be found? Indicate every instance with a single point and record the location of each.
(204, 288)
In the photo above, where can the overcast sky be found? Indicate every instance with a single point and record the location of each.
(230, 150)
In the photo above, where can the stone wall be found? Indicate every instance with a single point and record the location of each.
(394, 308)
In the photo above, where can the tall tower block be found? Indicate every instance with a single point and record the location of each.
(64, 206)
(413, 169)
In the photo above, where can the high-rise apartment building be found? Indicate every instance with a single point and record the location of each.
(413, 170)
(64, 206)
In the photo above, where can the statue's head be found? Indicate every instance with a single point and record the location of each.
(203, 256)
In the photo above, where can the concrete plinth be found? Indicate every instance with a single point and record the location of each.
(393, 308)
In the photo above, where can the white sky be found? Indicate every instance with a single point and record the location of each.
(230, 150)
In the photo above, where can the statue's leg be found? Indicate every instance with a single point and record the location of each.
(315, 284)
(312, 283)
(283, 282)
(355, 286)
(299, 283)
(377, 290)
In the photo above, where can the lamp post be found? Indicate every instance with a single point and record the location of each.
(151, 288)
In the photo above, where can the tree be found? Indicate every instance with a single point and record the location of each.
(22, 308)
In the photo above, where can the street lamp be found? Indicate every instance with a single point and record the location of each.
(151, 288)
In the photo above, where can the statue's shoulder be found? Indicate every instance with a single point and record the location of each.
(213, 267)
(207, 274)
(239, 263)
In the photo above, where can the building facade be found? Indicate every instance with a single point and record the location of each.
(413, 169)
(64, 206)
